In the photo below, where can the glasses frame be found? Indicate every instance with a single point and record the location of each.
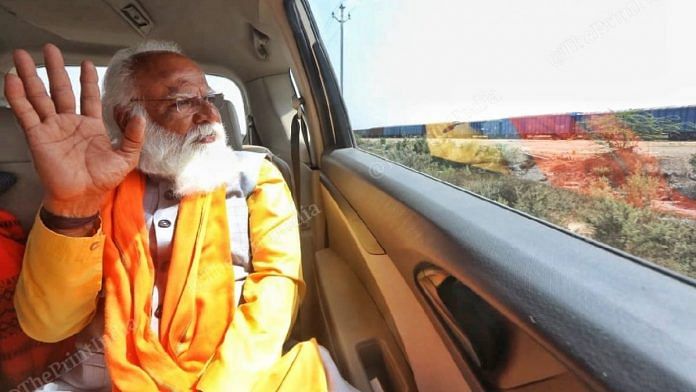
(215, 99)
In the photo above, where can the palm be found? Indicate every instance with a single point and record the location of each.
(79, 145)
(72, 152)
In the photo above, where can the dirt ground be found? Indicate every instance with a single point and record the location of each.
(546, 148)
(673, 156)
(561, 163)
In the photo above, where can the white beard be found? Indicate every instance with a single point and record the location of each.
(191, 165)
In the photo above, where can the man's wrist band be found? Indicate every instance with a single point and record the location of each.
(57, 222)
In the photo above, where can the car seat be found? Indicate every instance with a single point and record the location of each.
(234, 139)
(24, 198)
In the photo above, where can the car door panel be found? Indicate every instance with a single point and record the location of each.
(358, 336)
(399, 311)
(561, 291)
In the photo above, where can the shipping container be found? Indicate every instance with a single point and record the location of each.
(554, 126)
(498, 129)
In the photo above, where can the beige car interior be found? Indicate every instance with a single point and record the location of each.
(358, 304)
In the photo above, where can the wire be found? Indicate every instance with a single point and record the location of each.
(330, 16)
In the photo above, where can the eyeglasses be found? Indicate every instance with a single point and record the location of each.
(186, 105)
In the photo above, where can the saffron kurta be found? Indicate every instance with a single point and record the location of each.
(57, 294)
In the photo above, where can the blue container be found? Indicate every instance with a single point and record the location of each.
(412, 130)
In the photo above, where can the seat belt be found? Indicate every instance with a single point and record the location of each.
(299, 126)
(254, 137)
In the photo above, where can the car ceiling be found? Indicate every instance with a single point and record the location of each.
(216, 33)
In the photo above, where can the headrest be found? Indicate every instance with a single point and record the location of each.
(13, 145)
(231, 123)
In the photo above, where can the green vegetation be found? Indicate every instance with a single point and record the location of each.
(648, 127)
(623, 130)
(664, 239)
(692, 162)
(609, 130)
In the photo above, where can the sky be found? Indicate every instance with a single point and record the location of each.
(414, 61)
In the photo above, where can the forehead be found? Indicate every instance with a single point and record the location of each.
(161, 74)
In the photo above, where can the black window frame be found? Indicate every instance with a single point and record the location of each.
(328, 100)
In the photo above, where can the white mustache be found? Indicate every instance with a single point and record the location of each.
(203, 131)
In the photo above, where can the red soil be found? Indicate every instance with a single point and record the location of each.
(610, 172)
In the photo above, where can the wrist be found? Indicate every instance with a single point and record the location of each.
(79, 209)
(68, 225)
(87, 230)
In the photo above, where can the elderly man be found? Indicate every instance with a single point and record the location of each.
(140, 244)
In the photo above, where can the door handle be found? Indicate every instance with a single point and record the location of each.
(479, 331)
(429, 279)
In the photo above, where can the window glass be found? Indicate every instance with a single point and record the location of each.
(579, 113)
(219, 84)
(232, 93)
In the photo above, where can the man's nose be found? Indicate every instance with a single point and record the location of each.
(206, 113)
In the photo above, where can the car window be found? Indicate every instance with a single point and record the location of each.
(581, 115)
(219, 84)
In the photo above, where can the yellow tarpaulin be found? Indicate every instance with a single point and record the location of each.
(458, 143)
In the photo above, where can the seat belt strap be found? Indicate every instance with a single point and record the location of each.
(298, 127)
(254, 137)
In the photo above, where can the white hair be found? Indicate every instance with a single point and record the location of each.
(119, 84)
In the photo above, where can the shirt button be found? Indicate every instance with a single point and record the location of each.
(158, 312)
(164, 223)
(169, 195)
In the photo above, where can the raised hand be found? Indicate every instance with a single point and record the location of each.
(72, 152)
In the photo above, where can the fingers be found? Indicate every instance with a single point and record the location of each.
(133, 138)
(61, 89)
(33, 87)
(21, 107)
(90, 101)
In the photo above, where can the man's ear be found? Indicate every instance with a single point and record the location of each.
(121, 115)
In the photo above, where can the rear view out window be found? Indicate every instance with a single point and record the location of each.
(582, 114)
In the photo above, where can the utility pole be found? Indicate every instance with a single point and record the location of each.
(341, 20)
